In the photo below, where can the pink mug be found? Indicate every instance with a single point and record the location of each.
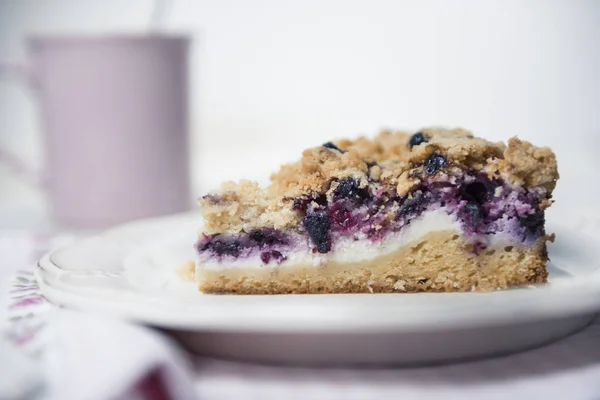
(115, 120)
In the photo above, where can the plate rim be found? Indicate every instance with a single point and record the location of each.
(579, 296)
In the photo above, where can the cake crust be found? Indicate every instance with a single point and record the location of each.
(437, 262)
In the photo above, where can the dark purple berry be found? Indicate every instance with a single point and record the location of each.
(434, 162)
(224, 247)
(413, 205)
(476, 192)
(472, 216)
(348, 188)
(317, 223)
(203, 244)
(417, 139)
(533, 223)
(321, 200)
(342, 217)
(265, 257)
(257, 236)
(274, 255)
(472, 212)
(332, 146)
(267, 237)
(277, 256)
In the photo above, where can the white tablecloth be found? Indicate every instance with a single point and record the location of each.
(59, 354)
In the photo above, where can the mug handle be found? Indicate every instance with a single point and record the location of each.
(19, 73)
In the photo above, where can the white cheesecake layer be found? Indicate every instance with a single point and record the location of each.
(347, 250)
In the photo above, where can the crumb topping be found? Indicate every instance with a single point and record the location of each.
(315, 171)
(524, 164)
(393, 159)
(243, 207)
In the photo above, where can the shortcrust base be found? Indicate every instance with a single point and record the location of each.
(437, 262)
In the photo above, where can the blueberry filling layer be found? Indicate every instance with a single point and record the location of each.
(482, 206)
(265, 242)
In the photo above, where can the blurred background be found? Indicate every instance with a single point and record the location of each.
(269, 78)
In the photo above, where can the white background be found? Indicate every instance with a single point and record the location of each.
(272, 77)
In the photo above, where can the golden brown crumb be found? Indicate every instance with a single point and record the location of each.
(243, 207)
(525, 164)
(387, 159)
(315, 170)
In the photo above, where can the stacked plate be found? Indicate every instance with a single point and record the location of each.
(132, 272)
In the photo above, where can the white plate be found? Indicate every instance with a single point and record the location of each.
(130, 272)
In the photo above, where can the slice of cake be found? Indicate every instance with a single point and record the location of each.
(436, 211)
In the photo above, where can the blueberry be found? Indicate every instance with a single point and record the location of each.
(320, 200)
(413, 205)
(472, 216)
(317, 223)
(332, 146)
(417, 139)
(533, 223)
(222, 247)
(265, 257)
(472, 213)
(476, 191)
(275, 255)
(434, 162)
(349, 188)
(342, 217)
(203, 246)
(257, 236)
(278, 256)
(267, 237)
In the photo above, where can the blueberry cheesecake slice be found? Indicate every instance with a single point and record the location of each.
(438, 210)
